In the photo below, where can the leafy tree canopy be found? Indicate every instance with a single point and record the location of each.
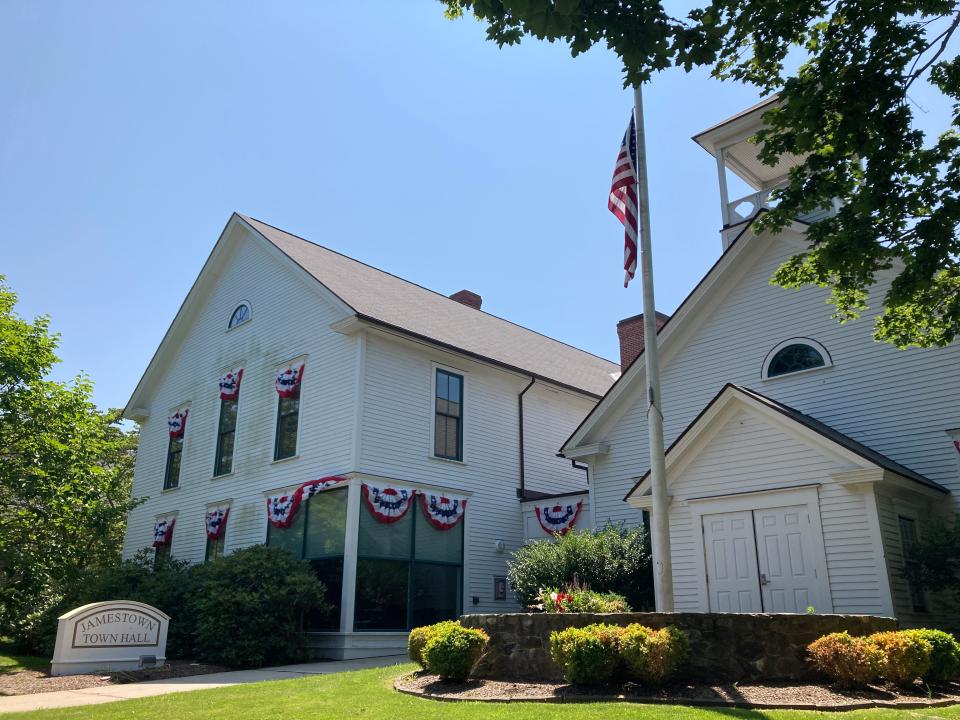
(65, 472)
(846, 110)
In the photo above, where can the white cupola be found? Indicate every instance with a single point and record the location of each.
(732, 143)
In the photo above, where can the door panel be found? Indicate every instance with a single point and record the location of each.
(788, 578)
(733, 584)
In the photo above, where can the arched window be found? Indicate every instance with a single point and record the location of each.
(795, 355)
(240, 315)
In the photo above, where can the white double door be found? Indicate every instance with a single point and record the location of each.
(761, 561)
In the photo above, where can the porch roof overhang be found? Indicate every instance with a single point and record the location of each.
(871, 466)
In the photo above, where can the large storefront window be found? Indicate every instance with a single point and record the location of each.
(317, 535)
(409, 573)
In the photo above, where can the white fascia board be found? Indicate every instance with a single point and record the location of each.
(586, 451)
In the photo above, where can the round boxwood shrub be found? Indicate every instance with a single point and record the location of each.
(419, 637)
(452, 650)
(906, 655)
(944, 655)
(653, 657)
(849, 661)
(587, 655)
(247, 607)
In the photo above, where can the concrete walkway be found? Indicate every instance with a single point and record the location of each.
(112, 693)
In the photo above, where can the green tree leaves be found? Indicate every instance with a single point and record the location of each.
(65, 472)
(846, 111)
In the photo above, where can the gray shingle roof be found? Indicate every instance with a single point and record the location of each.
(388, 300)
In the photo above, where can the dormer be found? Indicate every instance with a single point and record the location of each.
(731, 143)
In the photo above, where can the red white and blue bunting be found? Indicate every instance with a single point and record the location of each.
(288, 381)
(177, 423)
(956, 445)
(230, 384)
(442, 511)
(558, 518)
(163, 532)
(216, 521)
(387, 503)
(282, 508)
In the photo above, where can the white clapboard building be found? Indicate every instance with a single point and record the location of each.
(432, 427)
(804, 458)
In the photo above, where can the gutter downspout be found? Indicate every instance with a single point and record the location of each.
(521, 491)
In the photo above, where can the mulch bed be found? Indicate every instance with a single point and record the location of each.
(28, 682)
(798, 696)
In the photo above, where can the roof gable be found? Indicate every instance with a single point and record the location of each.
(387, 300)
(731, 398)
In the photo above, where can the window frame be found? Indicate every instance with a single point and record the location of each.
(810, 342)
(218, 544)
(277, 417)
(167, 484)
(913, 594)
(218, 457)
(412, 562)
(436, 369)
(242, 303)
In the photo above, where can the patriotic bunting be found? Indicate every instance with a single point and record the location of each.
(282, 508)
(956, 444)
(163, 532)
(216, 521)
(177, 423)
(388, 504)
(230, 384)
(288, 381)
(443, 511)
(558, 518)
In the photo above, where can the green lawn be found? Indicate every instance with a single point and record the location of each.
(12, 663)
(369, 694)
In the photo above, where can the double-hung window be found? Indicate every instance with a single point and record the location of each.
(288, 418)
(226, 435)
(171, 475)
(908, 543)
(214, 548)
(448, 416)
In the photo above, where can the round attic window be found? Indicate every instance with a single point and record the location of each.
(794, 356)
(240, 315)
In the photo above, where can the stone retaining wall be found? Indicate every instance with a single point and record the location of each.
(723, 646)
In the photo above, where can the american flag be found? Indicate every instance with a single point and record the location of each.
(623, 199)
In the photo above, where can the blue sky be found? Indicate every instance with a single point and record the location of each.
(130, 131)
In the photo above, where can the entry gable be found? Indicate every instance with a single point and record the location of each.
(784, 446)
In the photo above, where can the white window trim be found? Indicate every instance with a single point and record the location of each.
(236, 429)
(434, 366)
(808, 495)
(188, 405)
(824, 353)
(242, 322)
(276, 409)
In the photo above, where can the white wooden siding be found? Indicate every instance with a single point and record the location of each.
(289, 319)
(549, 416)
(898, 402)
(397, 417)
(750, 454)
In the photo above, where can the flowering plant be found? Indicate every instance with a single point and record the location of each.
(579, 598)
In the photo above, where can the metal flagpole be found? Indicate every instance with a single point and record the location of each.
(660, 523)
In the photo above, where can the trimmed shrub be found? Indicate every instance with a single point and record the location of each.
(248, 605)
(653, 656)
(418, 639)
(588, 655)
(944, 655)
(578, 599)
(907, 655)
(452, 650)
(848, 661)
(166, 585)
(609, 560)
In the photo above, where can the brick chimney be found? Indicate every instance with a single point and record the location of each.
(470, 299)
(630, 331)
